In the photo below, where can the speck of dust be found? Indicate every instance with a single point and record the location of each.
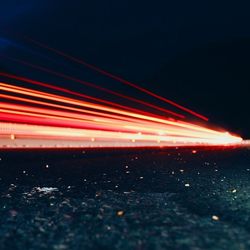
(120, 213)
(215, 217)
(46, 190)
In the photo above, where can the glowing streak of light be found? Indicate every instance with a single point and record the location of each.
(68, 118)
(97, 114)
(22, 131)
(94, 123)
(119, 79)
(101, 89)
(57, 98)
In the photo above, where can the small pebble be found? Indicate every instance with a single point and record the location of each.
(215, 217)
(120, 213)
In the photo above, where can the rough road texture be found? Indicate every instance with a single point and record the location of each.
(165, 199)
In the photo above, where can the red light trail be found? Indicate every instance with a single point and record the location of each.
(57, 98)
(39, 114)
(117, 78)
(32, 117)
(93, 86)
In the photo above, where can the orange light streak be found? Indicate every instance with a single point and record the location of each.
(57, 98)
(169, 112)
(42, 116)
(22, 131)
(104, 124)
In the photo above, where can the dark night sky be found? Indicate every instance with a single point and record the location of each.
(197, 53)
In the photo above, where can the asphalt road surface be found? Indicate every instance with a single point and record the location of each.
(125, 199)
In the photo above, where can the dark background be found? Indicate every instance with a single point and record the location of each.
(196, 53)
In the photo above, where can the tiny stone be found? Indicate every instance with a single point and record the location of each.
(120, 213)
(215, 217)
